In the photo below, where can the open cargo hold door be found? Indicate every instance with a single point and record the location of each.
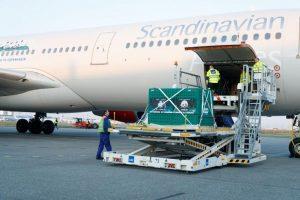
(225, 54)
(229, 60)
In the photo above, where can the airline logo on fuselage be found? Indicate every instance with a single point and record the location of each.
(213, 27)
(9, 46)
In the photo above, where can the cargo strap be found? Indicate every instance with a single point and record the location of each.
(169, 99)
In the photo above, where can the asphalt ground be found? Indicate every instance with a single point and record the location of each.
(63, 166)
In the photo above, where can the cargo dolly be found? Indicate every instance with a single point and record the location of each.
(195, 143)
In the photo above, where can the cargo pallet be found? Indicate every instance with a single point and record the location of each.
(180, 150)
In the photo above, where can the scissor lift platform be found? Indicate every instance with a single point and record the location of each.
(183, 150)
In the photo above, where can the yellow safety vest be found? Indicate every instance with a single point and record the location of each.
(258, 67)
(245, 77)
(213, 76)
(100, 125)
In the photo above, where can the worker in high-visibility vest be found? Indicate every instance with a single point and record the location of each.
(245, 77)
(258, 69)
(104, 125)
(213, 77)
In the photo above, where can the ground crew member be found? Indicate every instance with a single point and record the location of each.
(104, 125)
(258, 68)
(56, 123)
(245, 77)
(213, 78)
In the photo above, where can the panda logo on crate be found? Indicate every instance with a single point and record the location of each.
(161, 105)
(184, 104)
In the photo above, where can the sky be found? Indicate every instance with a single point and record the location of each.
(20, 17)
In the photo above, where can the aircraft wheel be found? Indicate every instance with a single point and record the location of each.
(35, 126)
(48, 127)
(22, 126)
(294, 148)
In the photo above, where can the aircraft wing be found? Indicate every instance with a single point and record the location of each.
(14, 82)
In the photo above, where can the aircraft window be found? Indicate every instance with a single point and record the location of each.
(143, 44)
(168, 42)
(49, 50)
(256, 36)
(278, 36)
(22, 52)
(195, 40)
(44, 50)
(79, 48)
(204, 40)
(176, 42)
(33, 51)
(2, 54)
(267, 36)
(67, 49)
(54, 50)
(61, 50)
(135, 45)
(151, 44)
(127, 45)
(245, 37)
(73, 49)
(185, 41)
(86, 48)
(17, 53)
(224, 38)
(234, 38)
(7, 53)
(159, 43)
(27, 52)
(214, 39)
(12, 53)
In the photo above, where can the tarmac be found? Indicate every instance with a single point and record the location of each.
(63, 166)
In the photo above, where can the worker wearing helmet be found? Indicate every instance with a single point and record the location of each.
(213, 77)
(104, 125)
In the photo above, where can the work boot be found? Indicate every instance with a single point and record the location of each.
(99, 158)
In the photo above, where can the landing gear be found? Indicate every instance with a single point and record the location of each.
(35, 125)
(294, 146)
(22, 126)
(48, 127)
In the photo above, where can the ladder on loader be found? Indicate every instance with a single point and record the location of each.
(256, 94)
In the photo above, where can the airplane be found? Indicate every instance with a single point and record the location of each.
(113, 67)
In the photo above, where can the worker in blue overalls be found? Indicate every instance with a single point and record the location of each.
(104, 125)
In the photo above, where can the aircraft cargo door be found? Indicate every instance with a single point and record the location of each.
(101, 48)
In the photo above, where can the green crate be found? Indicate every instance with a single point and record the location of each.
(178, 119)
(189, 101)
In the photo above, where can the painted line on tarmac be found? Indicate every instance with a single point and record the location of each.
(35, 156)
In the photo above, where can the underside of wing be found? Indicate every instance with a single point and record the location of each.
(14, 82)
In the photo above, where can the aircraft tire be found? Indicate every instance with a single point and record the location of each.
(22, 126)
(294, 148)
(48, 127)
(35, 126)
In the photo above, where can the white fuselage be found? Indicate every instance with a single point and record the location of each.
(108, 75)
